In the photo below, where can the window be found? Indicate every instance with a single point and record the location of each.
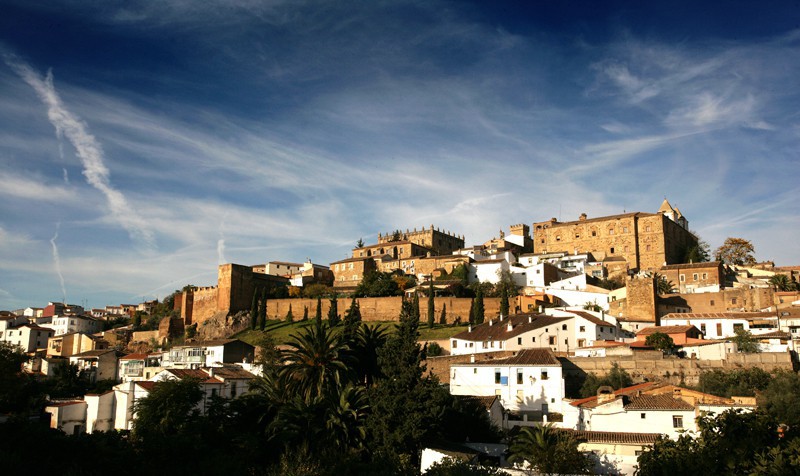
(610, 231)
(647, 247)
(594, 233)
(544, 374)
(643, 416)
(563, 327)
(454, 344)
(485, 345)
(677, 421)
(738, 327)
(694, 276)
(533, 339)
(519, 377)
(612, 250)
(624, 229)
(733, 301)
(552, 340)
(703, 328)
(519, 340)
(682, 278)
(577, 236)
(582, 329)
(475, 370)
(627, 249)
(705, 275)
(558, 237)
(719, 330)
(711, 303)
(496, 376)
(647, 228)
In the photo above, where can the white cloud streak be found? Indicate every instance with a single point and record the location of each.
(57, 263)
(88, 150)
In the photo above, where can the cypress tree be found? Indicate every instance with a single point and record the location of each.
(254, 310)
(479, 309)
(352, 320)
(262, 311)
(333, 312)
(472, 311)
(289, 315)
(415, 308)
(318, 312)
(305, 313)
(504, 302)
(443, 315)
(431, 309)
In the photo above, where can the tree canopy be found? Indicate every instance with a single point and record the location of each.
(737, 251)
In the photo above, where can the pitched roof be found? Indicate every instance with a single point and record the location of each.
(666, 330)
(593, 319)
(591, 402)
(94, 353)
(613, 437)
(231, 372)
(499, 330)
(484, 401)
(538, 357)
(706, 264)
(719, 315)
(656, 402)
(134, 357)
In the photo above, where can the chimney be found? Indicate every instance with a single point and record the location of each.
(602, 315)
(510, 327)
(501, 317)
(469, 328)
(472, 358)
(605, 394)
(541, 308)
(211, 372)
(490, 322)
(530, 319)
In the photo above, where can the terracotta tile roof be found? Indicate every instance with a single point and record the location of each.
(773, 335)
(719, 315)
(134, 357)
(593, 319)
(599, 344)
(666, 330)
(614, 437)
(484, 401)
(499, 330)
(147, 385)
(707, 264)
(231, 372)
(94, 353)
(64, 404)
(537, 357)
(656, 402)
(591, 402)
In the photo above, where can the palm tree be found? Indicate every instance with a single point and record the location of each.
(782, 283)
(369, 340)
(315, 362)
(663, 285)
(345, 418)
(544, 449)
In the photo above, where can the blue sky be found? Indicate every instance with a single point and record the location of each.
(144, 143)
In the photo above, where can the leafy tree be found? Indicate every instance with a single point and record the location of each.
(443, 315)
(456, 467)
(616, 378)
(396, 235)
(736, 251)
(67, 382)
(783, 283)
(779, 398)
(289, 315)
(316, 290)
(592, 306)
(434, 349)
(360, 243)
(727, 443)
(431, 309)
(333, 312)
(660, 341)
(745, 342)
(744, 382)
(170, 408)
(478, 307)
(16, 388)
(377, 284)
(505, 284)
(136, 320)
(612, 283)
(547, 450)
(697, 253)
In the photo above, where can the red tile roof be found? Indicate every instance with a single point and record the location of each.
(499, 330)
(666, 330)
(134, 357)
(614, 437)
(537, 357)
(718, 315)
(591, 402)
(656, 402)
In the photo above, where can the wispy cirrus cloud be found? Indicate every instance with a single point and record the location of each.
(87, 148)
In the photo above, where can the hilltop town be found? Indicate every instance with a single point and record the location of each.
(606, 331)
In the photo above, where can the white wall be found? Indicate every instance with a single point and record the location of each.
(532, 394)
